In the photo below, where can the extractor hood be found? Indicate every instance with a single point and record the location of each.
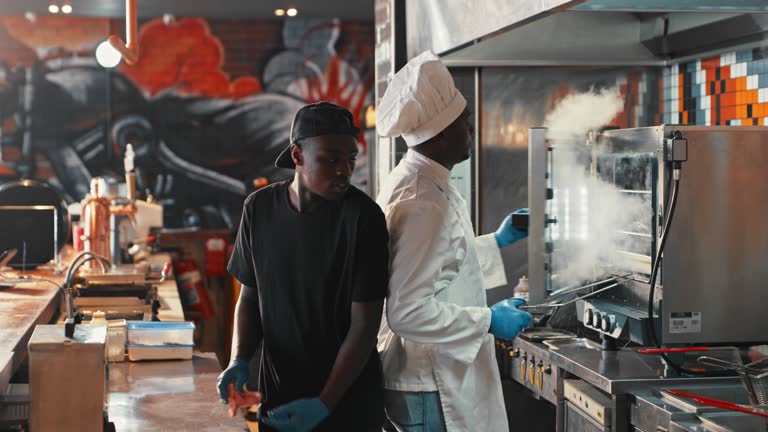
(583, 33)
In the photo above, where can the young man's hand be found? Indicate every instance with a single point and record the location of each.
(238, 372)
(298, 416)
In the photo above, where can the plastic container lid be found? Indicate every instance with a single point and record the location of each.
(160, 346)
(160, 325)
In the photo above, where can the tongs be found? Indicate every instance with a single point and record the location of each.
(719, 403)
(672, 350)
(570, 290)
(751, 368)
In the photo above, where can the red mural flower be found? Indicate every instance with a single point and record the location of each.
(336, 87)
(185, 57)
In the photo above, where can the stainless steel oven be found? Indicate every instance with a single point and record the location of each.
(598, 208)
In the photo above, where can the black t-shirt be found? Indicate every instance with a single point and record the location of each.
(307, 269)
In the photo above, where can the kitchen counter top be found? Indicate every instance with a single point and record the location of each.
(169, 396)
(625, 370)
(22, 307)
(37, 301)
(154, 395)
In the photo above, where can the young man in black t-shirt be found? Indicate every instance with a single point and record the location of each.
(312, 257)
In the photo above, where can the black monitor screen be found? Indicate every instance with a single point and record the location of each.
(29, 230)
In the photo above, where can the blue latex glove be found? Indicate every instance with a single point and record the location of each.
(506, 234)
(506, 320)
(238, 372)
(516, 301)
(298, 416)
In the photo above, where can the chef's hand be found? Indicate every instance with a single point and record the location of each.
(507, 234)
(298, 416)
(238, 372)
(506, 320)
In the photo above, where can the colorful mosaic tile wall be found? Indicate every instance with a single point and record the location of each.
(730, 89)
(640, 99)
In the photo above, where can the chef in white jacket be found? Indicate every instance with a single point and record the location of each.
(436, 339)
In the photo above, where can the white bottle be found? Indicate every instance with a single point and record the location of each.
(521, 290)
(98, 318)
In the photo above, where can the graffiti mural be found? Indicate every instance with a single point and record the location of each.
(206, 126)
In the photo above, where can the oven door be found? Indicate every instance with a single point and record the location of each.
(602, 214)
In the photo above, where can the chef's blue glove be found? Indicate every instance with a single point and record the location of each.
(238, 372)
(298, 416)
(507, 234)
(516, 301)
(506, 320)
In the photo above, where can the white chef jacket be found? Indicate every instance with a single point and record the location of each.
(434, 334)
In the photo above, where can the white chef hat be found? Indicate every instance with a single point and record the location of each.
(420, 102)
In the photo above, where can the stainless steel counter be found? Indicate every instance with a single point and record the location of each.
(652, 409)
(37, 301)
(627, 388)
(620, 372)
(29, 303)
(720, 421)
(143, 396)
(169, 396)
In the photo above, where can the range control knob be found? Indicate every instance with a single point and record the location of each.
(597, 320)
(607, 324)
(588, 317)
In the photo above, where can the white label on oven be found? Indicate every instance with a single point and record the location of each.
(685, 322)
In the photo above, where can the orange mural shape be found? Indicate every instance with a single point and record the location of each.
(71, 33)
(185, 57)
(14, 52)
(333, 86)
(21, 39)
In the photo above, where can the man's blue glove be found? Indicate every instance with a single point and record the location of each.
(238, 372)
(506, 320)
(507, 234)
(298, 416)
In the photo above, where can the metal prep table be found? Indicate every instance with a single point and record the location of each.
(620, 375)
(652, 410)
(160, 395)
(37, 301)
(610, 391)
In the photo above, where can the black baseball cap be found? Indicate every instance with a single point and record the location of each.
(321, 118)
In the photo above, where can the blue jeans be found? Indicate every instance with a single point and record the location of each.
(415, 411)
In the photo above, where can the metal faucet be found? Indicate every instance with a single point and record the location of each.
(74, 316)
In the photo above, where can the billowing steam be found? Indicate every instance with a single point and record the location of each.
(601, 228)
(579, 113)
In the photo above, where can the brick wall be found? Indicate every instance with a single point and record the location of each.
(248, 44)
